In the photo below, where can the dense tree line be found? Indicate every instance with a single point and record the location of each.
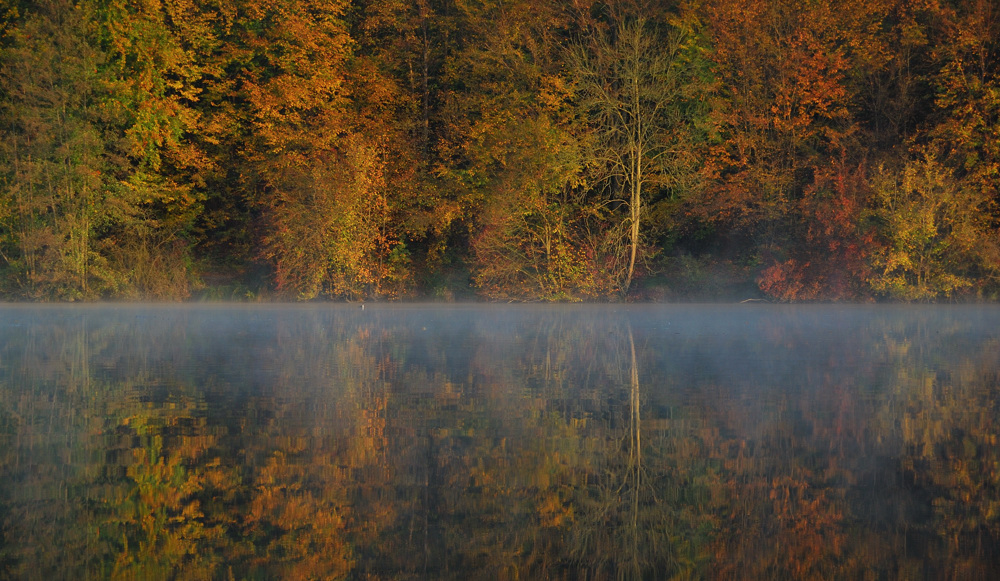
(519, 150)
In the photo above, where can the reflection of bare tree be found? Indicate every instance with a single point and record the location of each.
(623, 528)
(633, 480)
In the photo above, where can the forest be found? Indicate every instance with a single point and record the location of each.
(510, 150)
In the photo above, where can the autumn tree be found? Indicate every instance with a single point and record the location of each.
(98, 202)
(788, 74)
(933, 229)
(154, 80)
(832, 240)
(965, 118)
(510, 151)
(962, 135)
(298, 185)
(53, 197)
(400, 80)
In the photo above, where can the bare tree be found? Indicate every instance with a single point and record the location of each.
(631, 80)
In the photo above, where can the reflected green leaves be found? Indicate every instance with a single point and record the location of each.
(499, 443)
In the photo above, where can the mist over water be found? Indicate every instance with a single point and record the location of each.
(428, 441)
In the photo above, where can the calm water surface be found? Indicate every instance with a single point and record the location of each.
(496, 442)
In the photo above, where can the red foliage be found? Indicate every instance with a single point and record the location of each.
(828, 260)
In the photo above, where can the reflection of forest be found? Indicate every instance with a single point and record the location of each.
(499, 444)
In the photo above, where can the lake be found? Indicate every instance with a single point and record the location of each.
(499, 442)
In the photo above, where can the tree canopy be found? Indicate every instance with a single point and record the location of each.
(543, 150)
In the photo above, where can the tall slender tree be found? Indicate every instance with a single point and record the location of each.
(634, 80)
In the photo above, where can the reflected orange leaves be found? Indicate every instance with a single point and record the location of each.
(298, 533)
(382, 452)
(785, 526)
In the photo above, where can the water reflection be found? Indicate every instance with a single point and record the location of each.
(499, 443)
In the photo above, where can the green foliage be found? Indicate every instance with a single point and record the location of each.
(53, 156)
(89, 212)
